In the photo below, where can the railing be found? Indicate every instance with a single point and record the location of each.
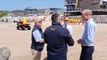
(99, 9)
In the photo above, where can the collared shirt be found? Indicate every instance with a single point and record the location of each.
(89, 33)
(69, 27)
(37, 36)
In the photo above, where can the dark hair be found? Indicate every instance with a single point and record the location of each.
(54, 16)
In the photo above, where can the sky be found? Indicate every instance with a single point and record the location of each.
(22, 4)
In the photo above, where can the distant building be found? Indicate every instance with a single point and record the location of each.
(70, 5)
(84, 4)
(98, 7)
(103, 4)
(44, 11)
(25, 12)
(89, 4)
(74, 7)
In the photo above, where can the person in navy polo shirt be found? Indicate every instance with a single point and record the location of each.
(57, 38)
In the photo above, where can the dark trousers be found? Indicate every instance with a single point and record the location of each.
(86, 52)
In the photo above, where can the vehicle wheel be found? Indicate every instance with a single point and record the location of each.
(29, 28)
(18, 27)
(23, 28)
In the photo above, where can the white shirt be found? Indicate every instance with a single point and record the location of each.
(70, 29)
(37, 36)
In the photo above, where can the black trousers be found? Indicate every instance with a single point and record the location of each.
(86, 52)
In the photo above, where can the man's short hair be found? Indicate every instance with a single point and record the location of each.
(87, 12)
(54, 16)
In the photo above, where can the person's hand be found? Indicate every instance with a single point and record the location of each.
(41, 41)
(79, 41)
